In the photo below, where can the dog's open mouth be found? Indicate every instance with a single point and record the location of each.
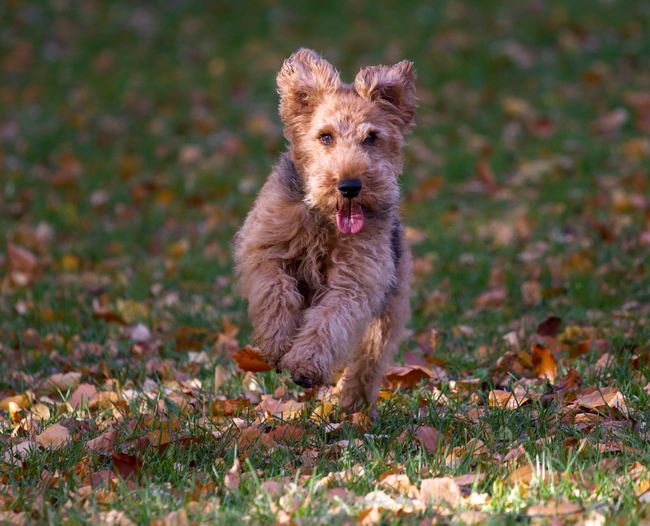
(349, 217)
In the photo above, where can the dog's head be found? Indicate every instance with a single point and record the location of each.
(346, 138)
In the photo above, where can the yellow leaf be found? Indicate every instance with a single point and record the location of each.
(20, 400)
(132, 311)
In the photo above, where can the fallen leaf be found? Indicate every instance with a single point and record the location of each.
(287, 433)
(406, 376)
(102, 478)
(506, 399)
(273, 487)
(544, 362)
(282, 409)
(220, 377)
(127, 466)
(250, 359)
(103, 400)
(523, 475)
(17, 453)
(114, 518)
(400, 483)
(21, 260)
(442, 489)
(104, 443)
(159, 437)
(232, 479)
(20, 400)
(469, 517)
(53, 437)
(60, 382)
(428, 437)
(554, 508)
(131, 311)
(598, 399)
(550, 326)
(83, 393)
(139, 333)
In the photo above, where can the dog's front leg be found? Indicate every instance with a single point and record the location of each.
(274, 306)
(331, 329)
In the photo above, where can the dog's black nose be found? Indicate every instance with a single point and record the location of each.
(350, 188)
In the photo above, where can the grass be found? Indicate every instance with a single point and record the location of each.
(132, 142)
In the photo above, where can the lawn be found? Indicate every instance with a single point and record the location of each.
(133, 139)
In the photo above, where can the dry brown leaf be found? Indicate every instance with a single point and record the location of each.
(544, 363)
(17, 453)
(442, 489)
(400, 483)
(491, 299)
(174, 518)
(220, 377)
(60, 382)
(104, 443)
(287, 433)
(522, 475)
(554, 508)
(21, 260)
(103, 400)
(283, 409)
(252, 435)
(159, 437)
(273, 487)
(232, 478)
(229, 407)
(127, 466)
(53, 437)
(251, 360)
(83, 393)
(114, 518)
(406, 376)
(506, 399)
(598, 399)
(428, 437)
(469, 517)
(469, 479)
(550, 326)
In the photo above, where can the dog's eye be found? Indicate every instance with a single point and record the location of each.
(326, 138)
(370, 139)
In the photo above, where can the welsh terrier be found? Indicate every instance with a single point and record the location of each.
(321, 257)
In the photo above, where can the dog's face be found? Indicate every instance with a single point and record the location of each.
(346, 138)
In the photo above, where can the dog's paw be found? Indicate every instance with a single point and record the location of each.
(306, 371)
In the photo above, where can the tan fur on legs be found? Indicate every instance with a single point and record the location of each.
(366, 369)
(324, 267)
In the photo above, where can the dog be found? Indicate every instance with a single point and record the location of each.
(321, 257)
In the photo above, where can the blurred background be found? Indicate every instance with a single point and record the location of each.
(134, 136)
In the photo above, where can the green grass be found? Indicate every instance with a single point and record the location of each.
(132, 142)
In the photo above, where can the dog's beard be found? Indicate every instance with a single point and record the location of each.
(349, 217)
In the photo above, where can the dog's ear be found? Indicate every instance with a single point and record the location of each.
(391, 86)
(302, 81)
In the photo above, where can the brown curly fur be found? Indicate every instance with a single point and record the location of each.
(318, 298)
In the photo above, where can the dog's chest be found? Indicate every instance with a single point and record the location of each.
(309, 261)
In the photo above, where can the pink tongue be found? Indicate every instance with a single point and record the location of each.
(349, 218)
